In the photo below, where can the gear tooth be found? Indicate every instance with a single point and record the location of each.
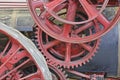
(35, 28)
(36, 36)
(84, 63)
(66, 66)
(88, 61)
(97, 48)
(80, 64)
(36, 33)
(76, 66)
(39, 49)
(36, 40)
(63, 71)
(49, 61)
(52, 63)
(59, 67)
(91, 58)
(66, 75)
(55, 64)
(71, 67)
(37, 46)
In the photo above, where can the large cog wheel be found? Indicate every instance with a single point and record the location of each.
(17, 61)
(65, 32)
(65, 54)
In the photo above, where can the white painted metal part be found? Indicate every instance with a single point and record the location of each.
(30, 47)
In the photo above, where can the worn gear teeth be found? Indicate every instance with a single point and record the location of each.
(62, 69)
(62, 74)
(53, 61)
(49, 61)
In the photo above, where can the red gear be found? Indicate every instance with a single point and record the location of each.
(66, 31)
(56, 51)
(15, 61)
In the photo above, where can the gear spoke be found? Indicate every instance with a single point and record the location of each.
(9, 58)
(103, 21)
(56, 27)
(71, 12)
(18, 57)
(87, 47)
(68, 53)
(89, 8)
(66, 30)
(97, 27)
(31, 76)
(12, 71)
(78, 74)
(83, 28)
(1, 54)
(51, 44)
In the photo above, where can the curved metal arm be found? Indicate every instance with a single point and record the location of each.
(30, 47)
